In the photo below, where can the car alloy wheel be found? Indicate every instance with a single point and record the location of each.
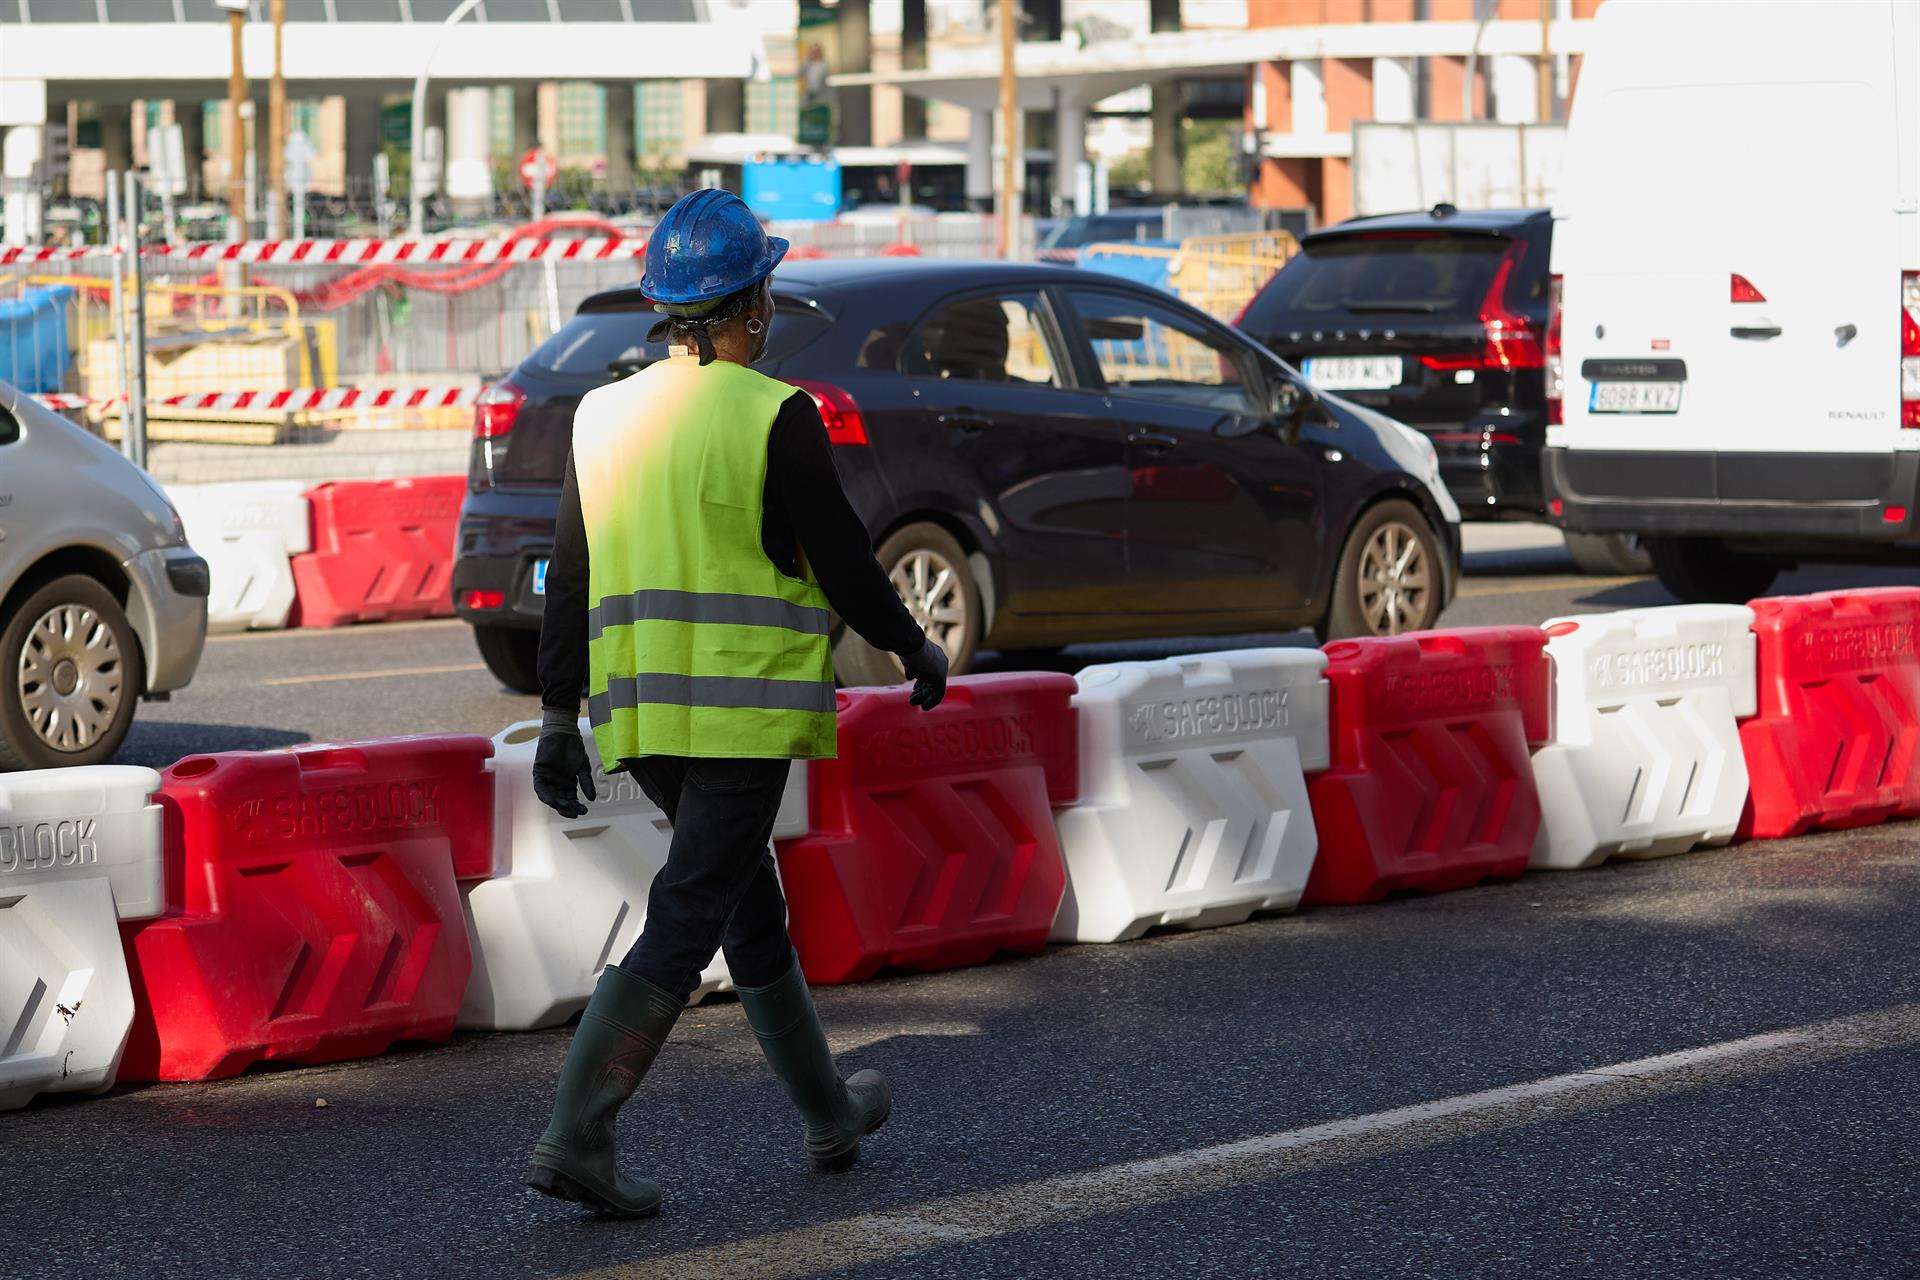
(1396, 578)
(72, 677)
(933, 594)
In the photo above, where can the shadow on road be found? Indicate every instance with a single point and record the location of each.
(159, 743)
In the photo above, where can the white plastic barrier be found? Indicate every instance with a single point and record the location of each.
(80, 851)
(1193, 796)
(1646, 757)
(247, 532)
(569, 895)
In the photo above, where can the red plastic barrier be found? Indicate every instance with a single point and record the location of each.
(932, 842)
(382, 551)
(1431, 786)
(1834, 742)
(314, 914)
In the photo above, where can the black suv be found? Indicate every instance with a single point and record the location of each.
(1438, 319)
(1045, 457)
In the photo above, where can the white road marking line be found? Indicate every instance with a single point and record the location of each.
(1072, 1197)
(372, 675)
(1530, 586)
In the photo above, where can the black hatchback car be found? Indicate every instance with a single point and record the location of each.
(1044, 457)
(1438, 319)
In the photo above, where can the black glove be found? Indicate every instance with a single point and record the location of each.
(927, 668)
(561, 767)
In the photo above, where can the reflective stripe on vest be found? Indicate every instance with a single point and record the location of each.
(698, 645)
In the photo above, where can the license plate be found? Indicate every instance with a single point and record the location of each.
(539, 577)
(1355, 373)
(1634, 397)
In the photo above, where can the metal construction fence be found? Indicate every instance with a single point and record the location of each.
(363, 358)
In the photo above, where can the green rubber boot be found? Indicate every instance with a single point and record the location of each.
(837, 1113)
(620, 1034)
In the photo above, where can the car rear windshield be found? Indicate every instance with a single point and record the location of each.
(1384, 274)
(601, 344)
(1075, 232)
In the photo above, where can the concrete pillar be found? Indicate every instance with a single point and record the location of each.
(116, 134)
(853, 27)
(913, 57)
(1069, 153)
(620, 135)
(980, 161)
(361, 142)
(20, 151)
(190, 115)
(1167, 167)
(726, 106)
(547, 112)
(469, 150)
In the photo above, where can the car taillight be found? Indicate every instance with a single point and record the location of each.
(837, 409)
(496, 409)
(1512, 342)
(486, 599)
(1910, 350)
(1742, 290)
(1556, 368)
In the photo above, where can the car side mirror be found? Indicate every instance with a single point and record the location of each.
(1288, 403)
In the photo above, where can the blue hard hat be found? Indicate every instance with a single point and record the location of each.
(708, 246)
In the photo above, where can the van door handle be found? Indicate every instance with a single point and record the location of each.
(1153, 442)
(1755, 331)
(966, 423)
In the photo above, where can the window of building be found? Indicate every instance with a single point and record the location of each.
(583, 119)
(773, 106)
(500, 130)
(659, 116)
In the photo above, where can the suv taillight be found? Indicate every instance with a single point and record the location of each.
(837, 409)
(1556, 369)
(497, 408)
(1910, 350)
(1512, 342)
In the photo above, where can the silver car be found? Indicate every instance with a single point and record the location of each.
(102, 602)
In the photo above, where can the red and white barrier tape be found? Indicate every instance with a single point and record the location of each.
(358, 252)
(297, 401)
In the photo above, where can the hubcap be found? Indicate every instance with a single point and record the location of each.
(72, 679)
(931, 590)
(1395, 579)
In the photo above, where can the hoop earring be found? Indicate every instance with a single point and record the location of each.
(754, 327)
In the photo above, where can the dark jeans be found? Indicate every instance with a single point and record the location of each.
(718, 890)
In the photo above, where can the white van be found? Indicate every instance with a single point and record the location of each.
(1736, 260)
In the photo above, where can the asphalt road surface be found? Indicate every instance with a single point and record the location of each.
(1700, 1066)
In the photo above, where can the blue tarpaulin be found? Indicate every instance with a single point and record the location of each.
(1139, 267)
(34, 350)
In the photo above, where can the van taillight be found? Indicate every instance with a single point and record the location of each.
(1556, 370)
(1910, 350)
(1742, 290)
(1512, 342)
(837, 409)
(496, 409)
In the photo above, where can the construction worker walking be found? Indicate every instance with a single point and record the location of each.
(703, 544)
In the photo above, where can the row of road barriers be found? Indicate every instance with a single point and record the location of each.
(325, 902)
(290, 553)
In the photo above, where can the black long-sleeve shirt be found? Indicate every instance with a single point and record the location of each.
(804, 508)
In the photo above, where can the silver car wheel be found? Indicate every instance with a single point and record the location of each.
(72, 677)
(931, 590)
(1395, 580)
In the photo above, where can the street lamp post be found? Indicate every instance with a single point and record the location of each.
(416, 201)
(277, 129)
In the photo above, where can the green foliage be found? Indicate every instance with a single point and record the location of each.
(1210, 168)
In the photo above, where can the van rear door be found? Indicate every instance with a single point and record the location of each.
(1731, 255)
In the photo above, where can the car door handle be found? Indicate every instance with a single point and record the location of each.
(1153, 442)
(966, 423)
(1755, 331)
